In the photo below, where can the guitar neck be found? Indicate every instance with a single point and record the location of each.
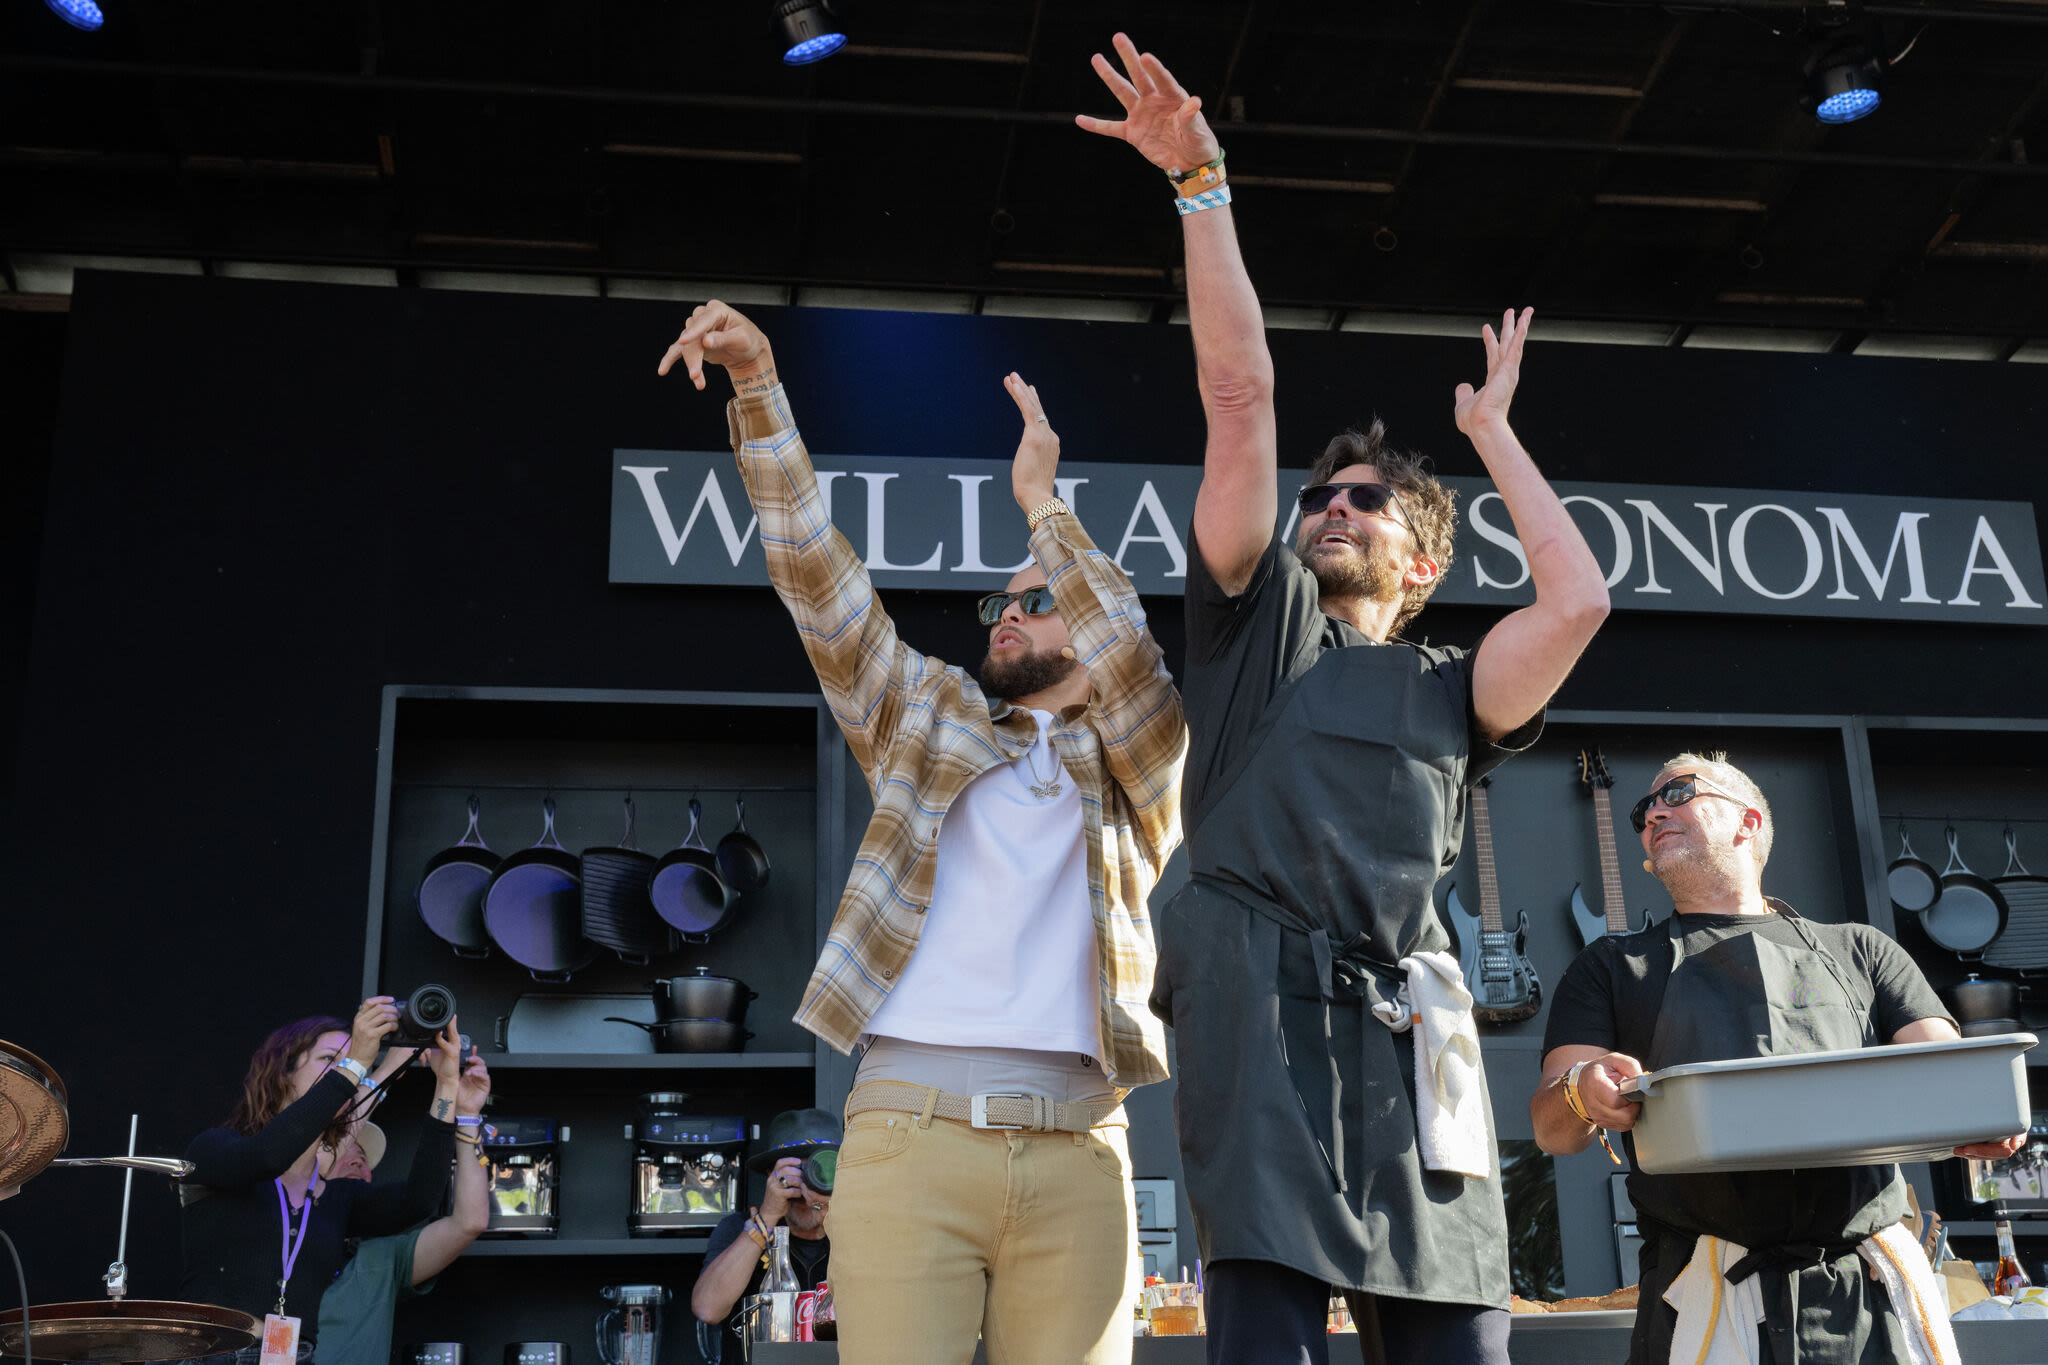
(1610, 864)
(1482, 848)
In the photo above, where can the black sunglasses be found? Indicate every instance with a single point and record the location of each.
(1365, 498)
(1036, 601)
(1676, 792)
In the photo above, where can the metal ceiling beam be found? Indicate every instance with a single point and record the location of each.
(730, 103)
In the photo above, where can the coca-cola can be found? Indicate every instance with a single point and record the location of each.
(806, 1314)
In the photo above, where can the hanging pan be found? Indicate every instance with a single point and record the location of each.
(742, 862)
(1914, 885)
(616, 911)
(1969, 912)
(687, 890)
(533, 908)
(2023, 944)
(450, 895)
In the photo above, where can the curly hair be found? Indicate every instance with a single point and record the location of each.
(1430, 507)
(266, 1090)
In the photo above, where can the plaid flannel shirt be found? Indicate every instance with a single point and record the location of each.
(922, 730)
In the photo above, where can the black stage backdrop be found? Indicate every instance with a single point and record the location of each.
(267, 501)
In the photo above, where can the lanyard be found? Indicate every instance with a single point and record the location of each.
(288, 1248)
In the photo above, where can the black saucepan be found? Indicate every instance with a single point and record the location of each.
(1914, 884)
(450, 895)
(688, 892)
(692, 1035)
(533, 908)
(742, 862)
(616, 910)
(1969, 912)
(700, 995)
(1978, 998)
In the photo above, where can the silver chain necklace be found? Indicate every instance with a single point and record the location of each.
(1047, 787)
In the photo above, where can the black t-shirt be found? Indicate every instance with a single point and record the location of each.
(807, 1257)
(232, 1233)
(1610, 997)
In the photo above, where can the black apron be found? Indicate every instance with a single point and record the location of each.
(1748, 996)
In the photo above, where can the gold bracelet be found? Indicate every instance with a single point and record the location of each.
(1045, 509)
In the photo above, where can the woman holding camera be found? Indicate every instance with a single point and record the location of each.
(263, 1231)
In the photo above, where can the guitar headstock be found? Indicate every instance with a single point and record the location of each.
(1593, 769)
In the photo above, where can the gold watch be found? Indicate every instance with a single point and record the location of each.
(1044, 510)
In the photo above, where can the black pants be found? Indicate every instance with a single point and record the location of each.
(1260, 1313)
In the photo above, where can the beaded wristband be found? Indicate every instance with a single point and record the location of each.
(1210, 171)
(1208, 199)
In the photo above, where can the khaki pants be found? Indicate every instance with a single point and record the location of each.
(940, 1230)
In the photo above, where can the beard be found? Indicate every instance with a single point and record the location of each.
(1366, 570)
(1024, 673)
(1696, 869)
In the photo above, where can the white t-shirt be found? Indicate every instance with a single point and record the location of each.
(1008, 956)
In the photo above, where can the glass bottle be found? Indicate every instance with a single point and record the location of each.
(2012, 1276)
(780, 1278)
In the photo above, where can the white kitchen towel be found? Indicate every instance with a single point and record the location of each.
(1716, 1320)
(1450, 1106)
(1901, 1266)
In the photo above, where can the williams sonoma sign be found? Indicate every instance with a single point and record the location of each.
(683, 517)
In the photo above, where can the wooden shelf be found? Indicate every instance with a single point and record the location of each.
(686, 1244)
(647, 1061)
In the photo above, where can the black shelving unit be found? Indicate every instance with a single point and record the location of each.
(587, 749)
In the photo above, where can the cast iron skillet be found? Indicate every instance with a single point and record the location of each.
(687, 890)
(742, 862)
(692, 1035)
(533, 908)
(450, 895)
(616, 911)
(2023, 943)
(1914, 885)
(1969, 912)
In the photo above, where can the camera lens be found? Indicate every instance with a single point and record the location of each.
(821, 1168)
(426, 1012)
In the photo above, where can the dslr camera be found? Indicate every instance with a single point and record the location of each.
(421, 1018)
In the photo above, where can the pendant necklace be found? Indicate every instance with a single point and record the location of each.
(1047, 787)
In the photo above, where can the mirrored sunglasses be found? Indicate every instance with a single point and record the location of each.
(1035, 601)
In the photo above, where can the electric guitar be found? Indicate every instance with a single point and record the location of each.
(1593, 772)
(1494, 959)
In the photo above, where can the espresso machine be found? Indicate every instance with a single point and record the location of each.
(686, 1168)
(525, 1162)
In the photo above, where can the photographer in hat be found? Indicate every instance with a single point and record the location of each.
(800, 1158)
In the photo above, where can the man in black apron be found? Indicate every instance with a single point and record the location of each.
(1326, 778)
(1731, 974)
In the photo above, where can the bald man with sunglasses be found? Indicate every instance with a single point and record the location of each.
(1328, 768)
(992, 949)
(1734, 973)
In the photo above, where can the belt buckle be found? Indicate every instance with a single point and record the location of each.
(977, 1112)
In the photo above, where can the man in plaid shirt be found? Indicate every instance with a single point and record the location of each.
(992, 948)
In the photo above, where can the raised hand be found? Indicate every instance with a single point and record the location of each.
(1038, 451)
(473, 1087)
(1161, 120)
(375, 1018)
(1477, 408)
(721, 334)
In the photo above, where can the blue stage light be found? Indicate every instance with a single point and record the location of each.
(77, 13)
(814, 49)
(1848, 106)
(807, 31)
